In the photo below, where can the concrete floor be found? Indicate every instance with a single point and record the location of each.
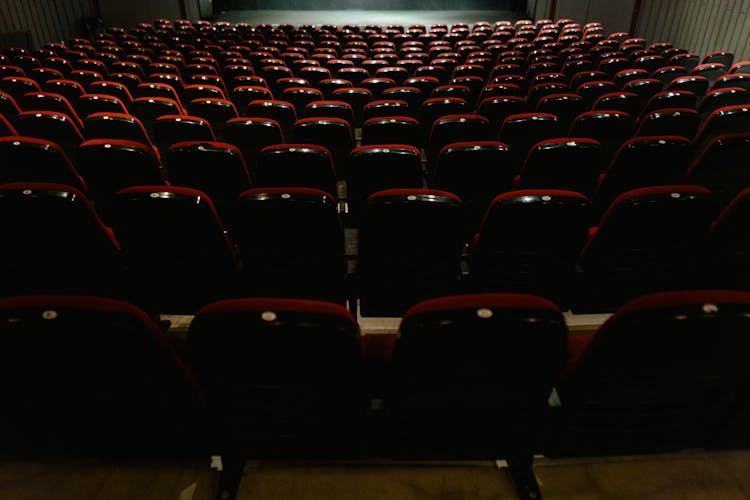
(362, 17)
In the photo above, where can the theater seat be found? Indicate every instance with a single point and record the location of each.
(282, 376)
(54, 242)
(472, 373)
(108, 364)
(641, 162)
(719, 167)
(410, 243)
(648, 240)
(215, 168)
(291, 242)
(727, 263)
(666, 372)
(529, 241)
(178, 254)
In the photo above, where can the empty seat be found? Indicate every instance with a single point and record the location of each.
(281, 376)
(173, 234)
(108, 165)
(627, 102)
(648, 240)
(301, 165)
(52, 126)
(456, 128)
(104, 360)
(720, 167)
(410, 244)
(471, 375)
(564, 106)
(671, 99)
(642, 162)
(89, 104)
(54, 242)
(17, 86)
(696, 84)
(330, 109)
(46, 101)
(726, 120)
(571, 164)
(116, 126)
(665, 373)
(36, 160)
(720, 98)
(727, 263)
(245, 94)
(109, 88)
(8, 106)
(217, 111)
(291, 243)
(334, 134)
(251, 135)
(5, 127)
(356, 97)
(529, 241)
(681, 122)
(476, 171)
(711, 71)
(215, 168)
(610, 128)
(171, 129)
(378, 167)
(522, 131)
(300, 97)
(391, 130)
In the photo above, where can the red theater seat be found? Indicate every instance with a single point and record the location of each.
(453, 364)
(410, 244)
(54, 242)
(279, 375)
(665, 373)
(106, 362)
(175, 234)
(648, 240)
(529, 241)
(291, 242)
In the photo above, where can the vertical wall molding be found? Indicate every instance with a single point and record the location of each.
(700, 26)
(45, 20)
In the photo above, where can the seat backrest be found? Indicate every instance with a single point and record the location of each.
(216, 168)
(410, 244)
(665, 372)
(58, 342)
(28, 159)
(569, 163)
(54, 241)
(642, 162)
(529, 241)
(475, 365)
(719, 166)
(282, 375)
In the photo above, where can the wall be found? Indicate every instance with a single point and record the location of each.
(700, 26)
(45, 20)
(614, 15)
(127, 13)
